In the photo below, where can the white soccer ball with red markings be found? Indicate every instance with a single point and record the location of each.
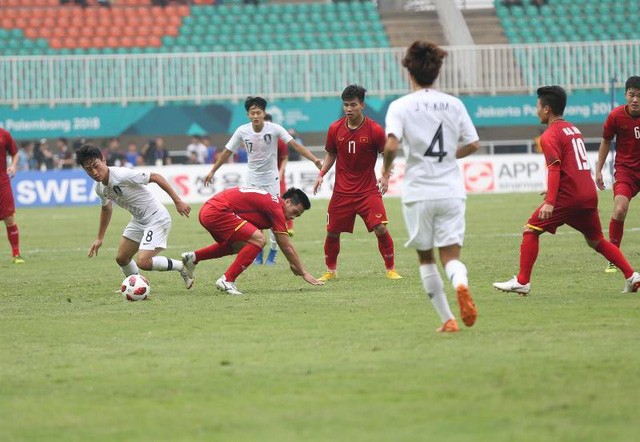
(135, 288)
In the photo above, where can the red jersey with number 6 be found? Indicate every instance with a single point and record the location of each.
(356, 152)
(562, 143)
(626, 129)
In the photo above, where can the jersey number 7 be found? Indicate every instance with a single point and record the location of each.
(431, 151)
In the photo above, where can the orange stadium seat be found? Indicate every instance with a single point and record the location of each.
(31, 32)
(84, 43)
(6, 22)
(55, 43)
(112, 41)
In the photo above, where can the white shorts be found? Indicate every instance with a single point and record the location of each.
(150, 236)
(434, 223)
(273, 187)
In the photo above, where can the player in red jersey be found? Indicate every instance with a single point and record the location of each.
(7, 205)
(235, 218)
(355, 142)
(624, 123)
(571, 196)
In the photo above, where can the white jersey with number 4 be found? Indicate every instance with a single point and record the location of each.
(262, 151)
(128, 189)
(430, 125)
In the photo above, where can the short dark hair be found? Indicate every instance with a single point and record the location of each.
(255, 101)
(268, 117)
(87, 152)
(354, 91)
(632, 82)
(423, 60)
(553, 96)
(297, 196)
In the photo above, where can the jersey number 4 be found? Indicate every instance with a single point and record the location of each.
(437, 139)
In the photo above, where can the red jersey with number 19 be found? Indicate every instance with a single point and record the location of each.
(562, 143)
(626, 129)
(356, 152)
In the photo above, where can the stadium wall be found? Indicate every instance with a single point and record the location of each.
(481, 174)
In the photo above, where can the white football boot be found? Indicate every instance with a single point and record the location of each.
(228, 287)
(513, 286)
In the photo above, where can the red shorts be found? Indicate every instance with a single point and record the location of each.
(626, 183)
(341, 215)
(224, 225)
(7, 205)
(585, 221)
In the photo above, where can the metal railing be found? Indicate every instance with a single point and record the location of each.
(197, 77)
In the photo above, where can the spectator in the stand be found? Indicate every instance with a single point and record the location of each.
(132, 158)
(25, 157)
(241, 156)
(43, 155)
(113, 154)
(512, 2)
(211, 150)
(162, 154)
(66, 156)
(192, 158)
(293, 155)
(198, 148)
(104, 3)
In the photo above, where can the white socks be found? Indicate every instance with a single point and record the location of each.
(457, 273)
(433, 285)
(272, 240)
(130, 269)
(162, 264)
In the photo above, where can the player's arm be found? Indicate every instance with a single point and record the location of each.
(388, 156)
(283, 166)
(603, 153)
(327, 164)
(285, 244)
(222, 158)
(182, 207)
(467, 150)
(105, 219)
(11, 170)
(305, 152)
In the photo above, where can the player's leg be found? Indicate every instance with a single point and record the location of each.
(341, 217)
(624, 189)
(588, 223)
(273, 249)
(372, 211)
(418, 218)
(124, 256)
(7, 213)
(247, 241)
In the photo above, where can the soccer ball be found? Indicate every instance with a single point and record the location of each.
(135, 288)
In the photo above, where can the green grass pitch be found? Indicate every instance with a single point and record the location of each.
(355, 360)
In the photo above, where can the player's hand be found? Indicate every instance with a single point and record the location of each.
(183, 208)
(599, 181)
(311, 280)
(208, 179)
(545, 211)
(317, 184)
(93, 251)
(383, 184)
(318, 163)
(11, 171)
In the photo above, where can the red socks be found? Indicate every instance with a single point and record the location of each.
(331, 251)
(244, 259)
(616, 229)
(213, 251)
(14, 239)
(528, 255)
(385, 245)
(614, 255)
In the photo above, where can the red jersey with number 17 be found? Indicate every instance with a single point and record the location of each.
(7, 147)
(356, 152)
(562, 143)
(626, 129)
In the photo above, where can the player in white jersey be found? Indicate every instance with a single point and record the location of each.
(431, 125)
(260, 138)
(148, 230)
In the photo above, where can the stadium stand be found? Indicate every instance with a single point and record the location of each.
(44, 27)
